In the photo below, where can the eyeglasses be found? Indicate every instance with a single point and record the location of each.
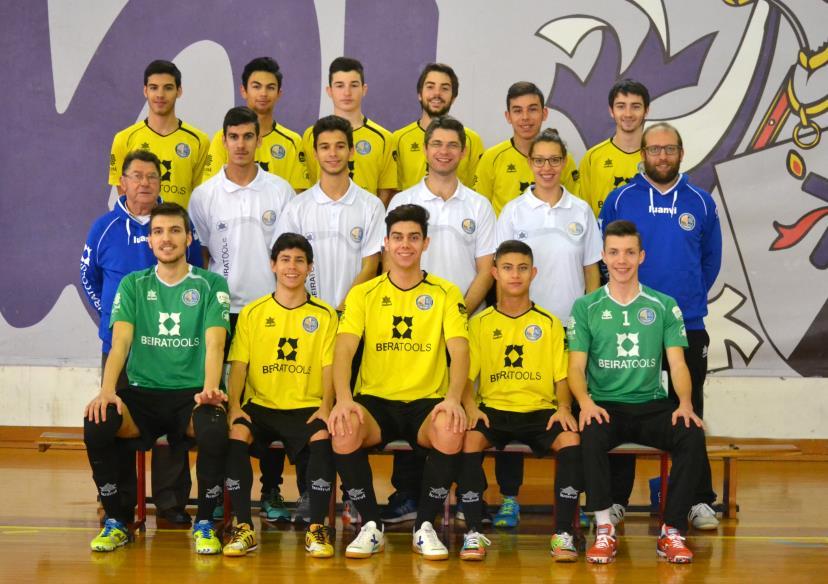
(670, 149)
(139, 178)
(437, 145)
(552, 161)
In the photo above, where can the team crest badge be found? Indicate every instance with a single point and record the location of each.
(363, 147)
(223, 298)
(269, 217)
(190, 297)
(310, 324)
(575, 228)
(533, 332)
(277, 151)
(687, 221)
(356, 234)
(469, 225)
(182, 150)
(424, 302)
(646, 316)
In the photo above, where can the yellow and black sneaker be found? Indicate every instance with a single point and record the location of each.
(242, 540)
(113, 535)
(318, 541)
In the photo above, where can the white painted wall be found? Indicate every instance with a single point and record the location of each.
(742, 407)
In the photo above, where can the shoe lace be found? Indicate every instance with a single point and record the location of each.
(603, 541)
(430, 538)
(703, 510)
(364, 536)
(110, 525)
(475, 539)
(203, 528)
(319, 535)
(276, 499)
(563, 540)
(508, 507)
(239, 535)
(674, 540)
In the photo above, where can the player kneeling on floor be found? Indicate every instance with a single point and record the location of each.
(518, 353)
(171, 320)
(280, 361)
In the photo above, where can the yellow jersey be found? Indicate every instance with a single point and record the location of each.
(604, 168)
(280, 153)
(182, 154)
(503, 174)
(405, 333)
(285, 350)
(517, 359)
(411, 160)
(373, 166)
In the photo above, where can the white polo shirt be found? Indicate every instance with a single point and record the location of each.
(341, 233)
(461, 229)
(237, 225)
(563, 238)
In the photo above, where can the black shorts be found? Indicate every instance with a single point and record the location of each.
(398, 420)
(526, 427)
(160, 411)
(289, 426)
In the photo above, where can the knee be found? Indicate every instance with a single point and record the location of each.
(102, 433)
(445, 441)
(566, 439)
(210, 426)
(346, 443)
(474, 442)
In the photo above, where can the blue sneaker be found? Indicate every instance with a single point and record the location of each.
(273, 507)
(399, 510)
(509, 513)
(218, 513)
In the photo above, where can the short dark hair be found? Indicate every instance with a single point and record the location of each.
(446, 123)
(548, 135)
(265, 64)
(143, 155)
(409, 212)
(343, 64)
(439, 68)
(332, 124)
(522, 88)
(622, 228)
(171, 210)
(629, 87)
(661, 126)
(292, 241)
(161, 67)
(236, 116)
(513, 246)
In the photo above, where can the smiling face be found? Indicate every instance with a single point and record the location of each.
(526, 114)
(161, 93)
(405, 244)
(662, 168)
(622, 254)
(514, 273)
(262, 92)
(546, 161)
(241, 142)
(291, 268)
(436, 96)
(333, 152)
(444, 152)
(141, 184)
(628, 112)
(169, 238)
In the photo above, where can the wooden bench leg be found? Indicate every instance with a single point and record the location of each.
(664, 473)
(141, 472)
(730, 481)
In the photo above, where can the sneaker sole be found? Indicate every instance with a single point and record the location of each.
(239, 553)
(678, 560)
(472, 557)
(320, 555)
(436, 557)
(362, 555)
(504, 523)
(706, 525)
(594, 560)
(278, 519)
(567, 558)
(105, 549)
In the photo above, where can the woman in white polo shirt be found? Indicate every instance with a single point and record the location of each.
(559, 227)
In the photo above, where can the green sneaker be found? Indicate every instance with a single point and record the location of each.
(562, 547)
(509, 513)
(113, 535)
(273, 507)
(204, 537)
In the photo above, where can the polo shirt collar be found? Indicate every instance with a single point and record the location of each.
(565, 201)
(321, 198)
(257, 184)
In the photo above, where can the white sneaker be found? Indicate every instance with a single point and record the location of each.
(617, 512)
(428, 544)
(702, 516)
(369, 541)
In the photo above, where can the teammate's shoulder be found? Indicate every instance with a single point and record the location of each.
(251, 307)
(592, 298)
(445, 285)
(287, 132)
(193, 131)
(400, 132)
(494, 151)
(319, 305)
(137, 126)
(653, 295)
(472, 134)
(541, 311)
(211, 278)
(372, 125)
(476, 198)
(578, 203)
(597, 147)
(368, 286)
(273, 181)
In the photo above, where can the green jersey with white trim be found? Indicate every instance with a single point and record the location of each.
(625, 342)
(170, 322)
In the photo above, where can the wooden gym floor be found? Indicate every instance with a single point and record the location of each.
(48, 515)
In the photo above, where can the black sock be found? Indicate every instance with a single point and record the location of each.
(437, 478)
(102, 451)
(239, 480)
(470, 487)
(355, 473)
(569, 481)
(210, 425)
(321, 474)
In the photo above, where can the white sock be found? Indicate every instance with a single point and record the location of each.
(603, 517)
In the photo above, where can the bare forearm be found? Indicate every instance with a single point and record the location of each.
(477, 290)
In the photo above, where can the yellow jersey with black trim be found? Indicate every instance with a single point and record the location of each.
(411, 161)
(518, 359)
(280, 153)
(182, 154)
(503, 174)
(405, 333)
(373, 166)
(285, 350)
(604, 168)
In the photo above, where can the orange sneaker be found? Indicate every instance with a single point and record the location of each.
(671, 547)
(605, 547)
